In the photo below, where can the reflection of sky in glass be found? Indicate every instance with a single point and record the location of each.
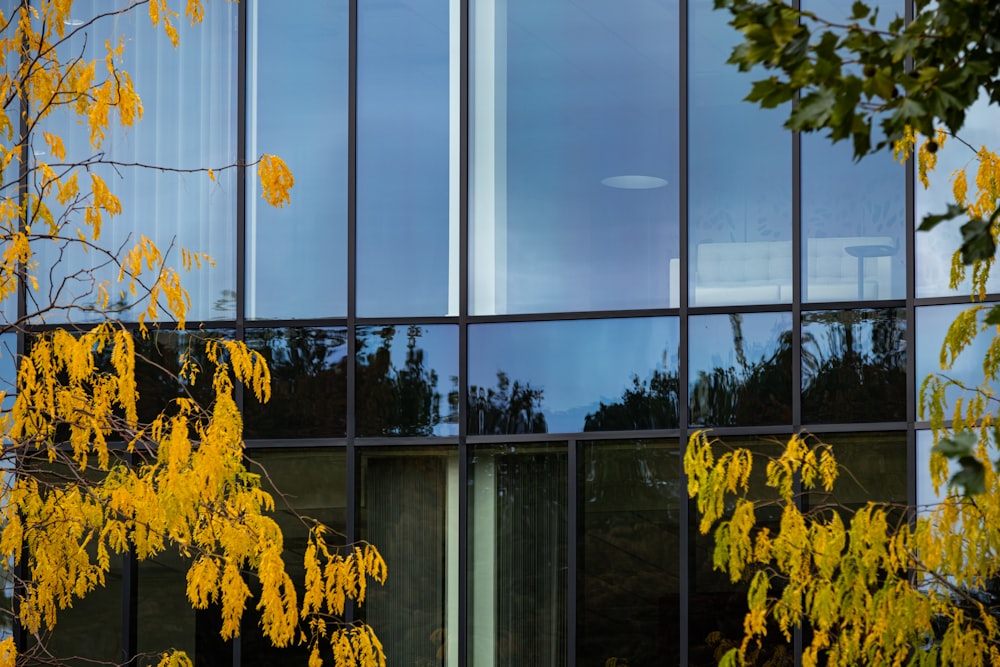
(578, 364)
(8, 370)
(932, 326)
(584, 91)
(936, 247)
(712, 339)
(404, 241)
(297, 255)
(439, 345)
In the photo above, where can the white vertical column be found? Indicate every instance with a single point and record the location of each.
(482, 562)
(488, 177)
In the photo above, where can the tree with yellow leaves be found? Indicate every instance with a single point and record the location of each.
(881, 584)
(88, 472)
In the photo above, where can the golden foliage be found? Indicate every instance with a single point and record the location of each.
(87, 479)
(875, 585)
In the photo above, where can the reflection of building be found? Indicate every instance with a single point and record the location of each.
(499, 304)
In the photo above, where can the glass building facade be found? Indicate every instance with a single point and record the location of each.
(533, 245)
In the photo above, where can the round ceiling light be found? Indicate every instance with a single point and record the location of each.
(634, 182)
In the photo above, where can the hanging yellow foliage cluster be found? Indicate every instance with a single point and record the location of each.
(85, 479)
(874, 586)
(880, 585)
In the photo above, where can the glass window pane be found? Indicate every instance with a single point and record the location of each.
(854, 366)
(304, 483)
(853, 223)
(159, 359)
(409, 510)
(628, 603)
(967, 368)
(568, 376)
(740, 195)
(308, 384)
(873, 469)
(408, 105)
(297, 255)
(192, 130)
(517, 555)
(574, 164)
(740, 369)
(936, 247)
(717, 605)
(407, 380)
(853, 213)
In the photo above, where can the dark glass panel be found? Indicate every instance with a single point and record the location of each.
(628, 604)
(740, 369)
(873, 469)
(90, 631)
(308, 384)
(718, 605)
(159, 359)
(407, 219)
(566, 376)
(409, 511)
(967, 368)
(574, 173)
(297, 99)
(517, 555)
(309, 484)
(740, 188)
(407, 380)
(166, 620)
(854, 366)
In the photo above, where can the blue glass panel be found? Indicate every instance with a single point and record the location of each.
(407, 223)
(574, 167)
(967, 368)
(187, 131)
(853, 213)
(407, 380)
(740, 368)
(854, 366)
(568, 376)
(297, 107)
(936, 247)
(308, 384)
(629, 552)
(853, 224)
(740, 187)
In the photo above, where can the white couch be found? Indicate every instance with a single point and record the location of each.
(761, 271)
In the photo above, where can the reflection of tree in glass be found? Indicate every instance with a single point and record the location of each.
(508, 408)
(753, 392)
(647, 404)
(857, 370)
(396, 401)
(308, 383)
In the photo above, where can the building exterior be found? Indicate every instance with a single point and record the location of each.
(533, 246)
